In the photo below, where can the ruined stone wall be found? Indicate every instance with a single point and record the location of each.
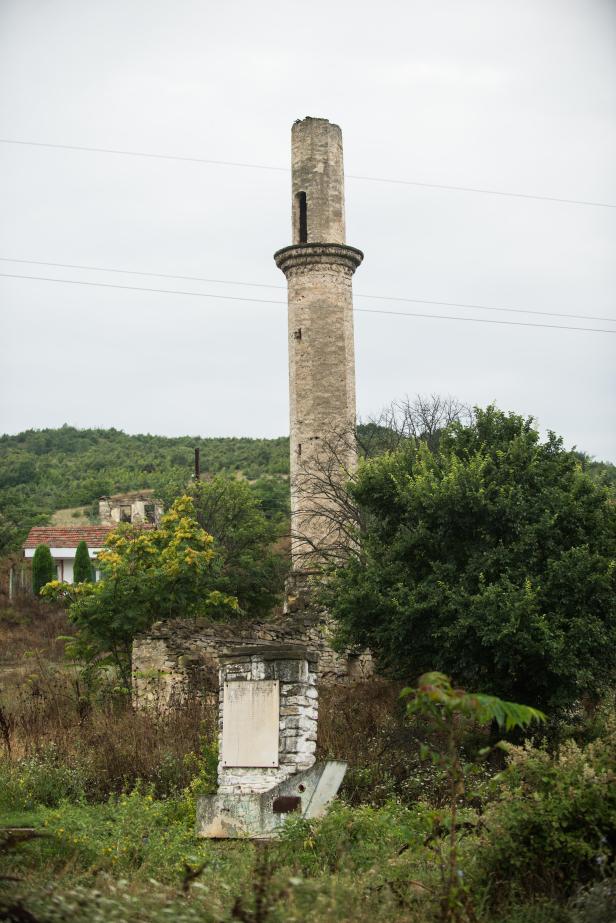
(135, 507)
(181, 658)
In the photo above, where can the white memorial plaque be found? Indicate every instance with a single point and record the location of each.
(250, 716)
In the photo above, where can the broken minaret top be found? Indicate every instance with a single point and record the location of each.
(318, 179)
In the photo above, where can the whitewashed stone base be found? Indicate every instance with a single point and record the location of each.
(296, 670)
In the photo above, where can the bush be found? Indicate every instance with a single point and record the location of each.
(595, 904)
(353, 839)
(173, 571)
(132, 834)
(43, 568)
(41, 779)
(553, 826)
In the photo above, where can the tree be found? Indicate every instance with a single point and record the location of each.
(492, 556)
(82, 570)
(328, 520)
(251, 569)
(9, 535)
(146, 575)
(43, 568)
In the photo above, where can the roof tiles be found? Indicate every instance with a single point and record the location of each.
(69, 537)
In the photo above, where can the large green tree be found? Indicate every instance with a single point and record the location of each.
(43, 568)
(252, 568)
(491, 557)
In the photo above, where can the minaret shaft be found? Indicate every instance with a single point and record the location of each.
(319, 269)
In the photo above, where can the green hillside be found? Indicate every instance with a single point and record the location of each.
(42, 471)
(45, 470)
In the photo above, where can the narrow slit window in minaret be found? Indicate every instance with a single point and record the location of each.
(302, 216)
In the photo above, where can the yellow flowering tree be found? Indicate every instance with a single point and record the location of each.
(146, 575)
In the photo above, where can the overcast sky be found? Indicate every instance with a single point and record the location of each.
(513, 95)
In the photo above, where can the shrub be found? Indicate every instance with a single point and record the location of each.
(132, 834)
(43, 568)
(41, 779)
(169, 572)
(82, 570)
(353, 839)
(553, 826)
(595, 903)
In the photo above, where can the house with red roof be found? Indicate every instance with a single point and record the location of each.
(139, 508)
(62, 543)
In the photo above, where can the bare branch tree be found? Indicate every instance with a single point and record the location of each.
(420, 419)
(327, 523)
(325, 518)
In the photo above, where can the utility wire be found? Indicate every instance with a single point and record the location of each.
(164, 291)
(448, 304)
(262, 166)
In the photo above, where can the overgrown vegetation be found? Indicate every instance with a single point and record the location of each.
(490, 557)
(176, 570)
(486, 553)
(110, 793)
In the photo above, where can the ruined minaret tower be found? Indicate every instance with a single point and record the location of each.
(319, 267)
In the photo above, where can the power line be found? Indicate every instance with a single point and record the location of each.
(164, 291)
(262, 166)
(135, 272)
(485, 307)
(449, 304)
(106, 150)
(482, 320)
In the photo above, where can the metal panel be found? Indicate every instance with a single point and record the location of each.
(250, 723)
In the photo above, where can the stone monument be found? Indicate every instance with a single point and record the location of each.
(267, 731)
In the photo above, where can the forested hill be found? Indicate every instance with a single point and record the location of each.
(42, 471)
(45, 470)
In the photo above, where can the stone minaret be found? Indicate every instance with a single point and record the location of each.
(319, 267)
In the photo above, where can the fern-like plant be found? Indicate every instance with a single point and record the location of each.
(448, 710)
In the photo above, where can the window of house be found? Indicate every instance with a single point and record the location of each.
(125, 514)
(150, 512)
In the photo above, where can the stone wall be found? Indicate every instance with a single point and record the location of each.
(181, 658)
(296, 671)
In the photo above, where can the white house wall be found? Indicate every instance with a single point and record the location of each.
(67, 557)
